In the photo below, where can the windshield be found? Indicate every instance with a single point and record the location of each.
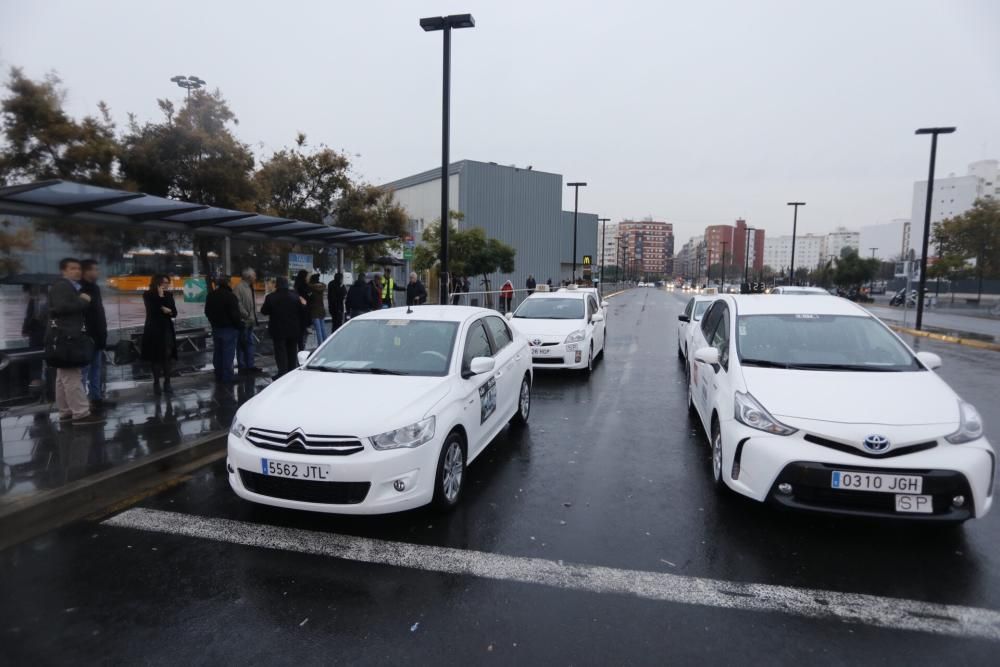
(391, 347)
(700, 307)
(821, 342)
(551, 309)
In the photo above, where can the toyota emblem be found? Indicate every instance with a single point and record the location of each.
(536, 342)
(876, 443)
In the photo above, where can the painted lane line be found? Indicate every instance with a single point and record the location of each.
(872, 610)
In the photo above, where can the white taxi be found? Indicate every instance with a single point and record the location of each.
(689, 321)
(385, 415)
(565, 329)
(812, 403)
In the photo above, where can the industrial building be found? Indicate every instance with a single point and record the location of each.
(520, 206)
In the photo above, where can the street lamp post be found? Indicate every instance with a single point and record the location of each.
(934, 132)
(723, 279)
(446, 24)
(604, 230)
(746, 261)
(576, 206)
(188, 83)
(795, 224)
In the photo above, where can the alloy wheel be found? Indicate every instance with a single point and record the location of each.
(454, 464)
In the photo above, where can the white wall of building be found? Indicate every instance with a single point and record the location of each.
(836, 241)
(422, 202)
(890, 240)
(953, 195)
(808, 251)
(610, 243)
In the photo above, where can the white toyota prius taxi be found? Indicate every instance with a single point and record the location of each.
(565, 329)
(385, 415)
(812, 403)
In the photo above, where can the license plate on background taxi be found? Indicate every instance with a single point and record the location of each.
(877, 482)
(314, 472)
(536, 351)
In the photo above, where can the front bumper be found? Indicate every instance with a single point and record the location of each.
(573, 355)
(362, 483)
(756, 464)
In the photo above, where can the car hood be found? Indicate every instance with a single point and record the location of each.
(908, 398)
(547, 328)
(349, 404)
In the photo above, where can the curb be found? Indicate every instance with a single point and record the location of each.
(969, 342)
(23, 519)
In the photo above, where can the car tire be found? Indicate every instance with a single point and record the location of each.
(520, 418)
(590, 359)
(680, 353)
(448, 490)
(715, 443)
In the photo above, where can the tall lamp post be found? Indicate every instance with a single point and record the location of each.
(576, 206)
(723, 280)
(934, 132)
(604, 229)
(446, 24)
(795, 225)
(188, 83)
(746, 261)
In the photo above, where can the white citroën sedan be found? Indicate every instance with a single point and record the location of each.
(385, 415)
(812, 403)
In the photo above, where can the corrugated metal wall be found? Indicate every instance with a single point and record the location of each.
(586, 239)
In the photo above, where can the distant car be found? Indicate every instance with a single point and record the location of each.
(564, 329)
(385, 415)
(793, 289)
(812, 403)
(689, 321)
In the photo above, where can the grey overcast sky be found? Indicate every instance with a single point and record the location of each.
(691, 112)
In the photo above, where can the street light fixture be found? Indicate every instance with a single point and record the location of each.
(934, 132)
(188, 83)
(795, 224)
(576, 206)
(446, 24)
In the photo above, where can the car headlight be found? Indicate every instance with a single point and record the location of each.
(413, 435)
(577, 336)
(751, 413)
(237, 428)
(970, 425)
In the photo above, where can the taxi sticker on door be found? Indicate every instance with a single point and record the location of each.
(487, 399)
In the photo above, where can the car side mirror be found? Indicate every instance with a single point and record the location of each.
(303, 357)
(929, 359)
(707, 355)
(479, 365)
(684, 318)
(597, 317)
(509, 315)
(605, 304)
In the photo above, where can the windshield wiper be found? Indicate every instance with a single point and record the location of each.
(325, 369)
(764, 363)
(380, 371)
(845, 367)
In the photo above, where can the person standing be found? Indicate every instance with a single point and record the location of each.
(284, 310)
(506, 296)
(223, 312)
(530, 284)
(96, 322)
(359, 297)
(376, 291)
(301, 286)
(159, 342)
(317, 307)
(335, 295)
(67, 305)
(247, 300)
(416, 293)
(388, 289)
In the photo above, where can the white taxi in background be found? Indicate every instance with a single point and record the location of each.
(812, 403)
(565, 329)
(689, 321)
(385, 415)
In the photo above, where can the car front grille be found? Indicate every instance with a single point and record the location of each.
(331, 493)
(850, 449)
(304, 443)
(548, 360)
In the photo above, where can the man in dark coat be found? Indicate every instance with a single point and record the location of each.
(335, 295)
(530, 284)
(284, 310)
(223, 312)
(67, 305)
(97, 328)
(359, 297)
(416, 293)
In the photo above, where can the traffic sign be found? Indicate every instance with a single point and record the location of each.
(195, 290)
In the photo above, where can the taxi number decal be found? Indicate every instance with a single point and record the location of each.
(396, 323)
(487, 399)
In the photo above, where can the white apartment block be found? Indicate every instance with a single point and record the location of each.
(890, 240)
(836, 241)
(809, 250)
(953, 195)
(610, 250)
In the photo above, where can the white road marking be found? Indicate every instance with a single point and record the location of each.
(873, 610)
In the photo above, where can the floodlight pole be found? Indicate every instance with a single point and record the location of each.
(934, 132)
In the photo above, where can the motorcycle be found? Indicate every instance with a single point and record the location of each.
(897, 298)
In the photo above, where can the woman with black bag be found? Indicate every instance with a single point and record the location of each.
(67, 348)
(159, 344)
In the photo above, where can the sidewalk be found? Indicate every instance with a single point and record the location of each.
(963, 326)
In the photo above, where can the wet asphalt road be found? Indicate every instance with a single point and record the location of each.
(610, 472)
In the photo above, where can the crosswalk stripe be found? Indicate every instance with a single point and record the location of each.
(872, 610)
